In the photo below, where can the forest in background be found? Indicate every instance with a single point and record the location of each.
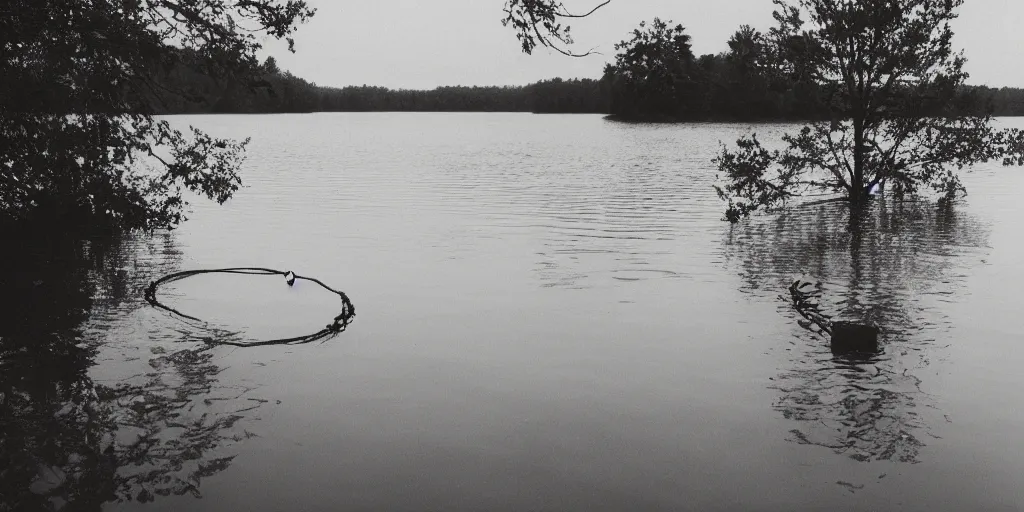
(279, 91)
(738, 85)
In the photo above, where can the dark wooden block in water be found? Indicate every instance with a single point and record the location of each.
(850, 337)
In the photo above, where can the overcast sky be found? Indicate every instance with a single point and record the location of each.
(427, 43)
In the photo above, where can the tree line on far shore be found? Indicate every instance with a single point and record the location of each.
(279, 91)
(761, 77)
(729, 86)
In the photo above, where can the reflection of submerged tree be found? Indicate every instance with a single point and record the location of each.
(876, 265)
(69, 440)
(155, 463)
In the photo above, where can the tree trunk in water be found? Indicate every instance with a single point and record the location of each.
(858, 192)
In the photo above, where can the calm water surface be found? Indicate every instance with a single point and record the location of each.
(551, 316)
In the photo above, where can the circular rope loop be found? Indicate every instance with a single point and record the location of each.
(340, 323)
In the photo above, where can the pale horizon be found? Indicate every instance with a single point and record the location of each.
(405, 44)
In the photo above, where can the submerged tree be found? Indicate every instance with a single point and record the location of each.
(895, 93)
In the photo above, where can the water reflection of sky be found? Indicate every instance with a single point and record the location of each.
(551, 315)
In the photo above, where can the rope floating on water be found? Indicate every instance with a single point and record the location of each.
(340, 323)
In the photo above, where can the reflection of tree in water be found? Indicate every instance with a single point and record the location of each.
(887, 264)
(72, 441)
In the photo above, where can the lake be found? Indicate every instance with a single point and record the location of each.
(551, 315)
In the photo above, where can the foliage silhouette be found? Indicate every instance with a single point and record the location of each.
(654, 75)
(896, 102)
(541, 23)
(78, 143)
